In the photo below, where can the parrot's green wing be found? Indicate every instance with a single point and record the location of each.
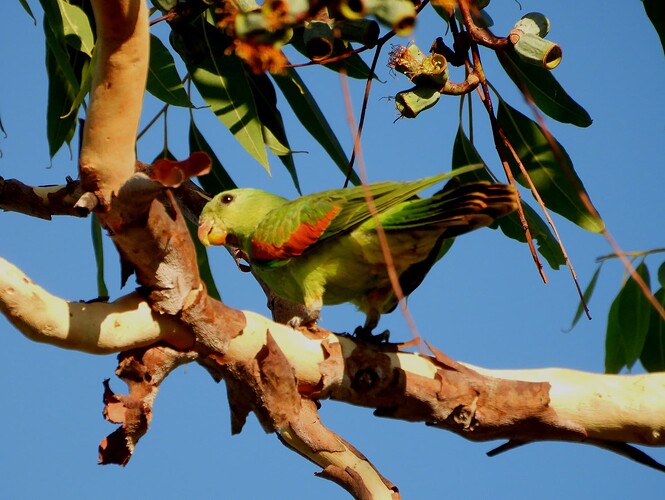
(291, 229)
(458, 210)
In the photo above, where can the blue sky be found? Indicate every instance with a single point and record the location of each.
(484, 303)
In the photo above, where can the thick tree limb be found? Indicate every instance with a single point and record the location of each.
(96, 327)
(116, 96)
(480, 404)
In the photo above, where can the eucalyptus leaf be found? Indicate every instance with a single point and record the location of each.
(164, 82)
(615, 358)
(558, 185)
(655, 10)
(224, 86)
(55, 42)
(464, 153)
(218, 179)
(27, 8)
(86, 82)
(98, 248)
(545, 90)
(313, 120)
(634, 314)
(588, 291)
(661, 274)
(76, 27)
(653, 353)
(203, 263)
(164, 5)
(274, 133)
(61, 117)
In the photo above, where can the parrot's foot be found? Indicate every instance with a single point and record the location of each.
(298, 322)
(365, 334)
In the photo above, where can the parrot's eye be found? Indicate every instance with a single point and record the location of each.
(226, 199)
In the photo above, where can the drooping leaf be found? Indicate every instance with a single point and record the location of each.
(60, 119)
(313, 120)
(633, 314)
(27, 8)
(586, 295)
(558, 185)
(164, 82)
(164, 5)
(65, 67)
(223, 84)
(76, 27)
(86, 83)
(98, 248)
(203, 263)
(274, 134)
(653, 353)
(55, 41)
(615, 358)
(464, 153)
(655, 10)
(218, 179)
(545, 90)
(661, 275)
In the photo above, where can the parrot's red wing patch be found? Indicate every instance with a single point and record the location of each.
(304, 236)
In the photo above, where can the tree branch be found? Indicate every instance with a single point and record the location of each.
(95, 327)
(116, 96)
(42, 201)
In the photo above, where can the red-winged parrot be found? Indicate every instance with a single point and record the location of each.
(323, 248)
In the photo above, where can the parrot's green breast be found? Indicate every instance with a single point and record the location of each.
(348, 268)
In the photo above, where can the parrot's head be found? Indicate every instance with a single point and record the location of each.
(231, 217)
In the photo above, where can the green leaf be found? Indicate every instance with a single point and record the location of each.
(218, 179)
(545, 90)
(224, 86)
(274, 134)
(558, 185)
(98, 247)
(86, 83)
(661, 275)
(655, 10)
(164, 82)
(27, 8)
(586, 295)
(203, 263)
(615, 358)
(313, 120)
(64, 67)
(464, 153)
(76, 27)
(55, 41)
(60, 120)
(633, 316)
(653, 353)
(164, 5)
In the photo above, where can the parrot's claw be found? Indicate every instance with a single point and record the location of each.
(297, 322)
(365, 334)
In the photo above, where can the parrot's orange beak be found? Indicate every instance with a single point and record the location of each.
(210, 235)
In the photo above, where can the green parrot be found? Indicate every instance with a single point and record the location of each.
(323, 248)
